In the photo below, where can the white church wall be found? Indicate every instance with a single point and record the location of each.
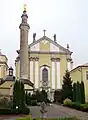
(53, 75)
(36, 74)
(31, 71)
(53, 48)
(35, 47)
(69, 65)
(58, 74)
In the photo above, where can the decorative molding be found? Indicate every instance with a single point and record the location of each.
(33, 58)
(45, 66)
(55, 59)
(69, 59)
(47, 52)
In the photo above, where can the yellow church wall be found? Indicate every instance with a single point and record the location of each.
(63, 66)
(44, 45)
(79, 74)
(45, 59)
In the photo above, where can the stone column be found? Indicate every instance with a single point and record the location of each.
(36, 73)
(24, 28)
(31, 70)
(58, 73)
(53, 73)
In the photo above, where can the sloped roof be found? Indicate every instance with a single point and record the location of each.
(79, 66)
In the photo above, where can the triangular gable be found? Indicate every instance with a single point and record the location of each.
(55, 45)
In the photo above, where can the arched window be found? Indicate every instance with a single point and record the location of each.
(45, 75)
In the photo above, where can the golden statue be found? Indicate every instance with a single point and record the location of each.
(25, 7)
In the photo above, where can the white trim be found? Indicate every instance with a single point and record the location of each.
(36, 74)
(58, 75)
(53, 75)
(35, 47)
(53, 48)
(69, 66)
(31, 71)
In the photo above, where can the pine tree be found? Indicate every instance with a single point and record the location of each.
(78, 92)
(16, 94)
(74, 92)
(82, 93)
(22, 95)
(67, 86)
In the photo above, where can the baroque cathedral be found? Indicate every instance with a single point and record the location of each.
(43, 62)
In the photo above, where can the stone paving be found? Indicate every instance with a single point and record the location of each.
(54, 111)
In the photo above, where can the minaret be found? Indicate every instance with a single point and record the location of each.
(24, 29)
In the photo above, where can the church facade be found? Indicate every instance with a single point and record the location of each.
(47, 63)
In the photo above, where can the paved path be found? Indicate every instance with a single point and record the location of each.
(54, 111)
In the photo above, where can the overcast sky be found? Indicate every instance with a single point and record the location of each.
(67, 18)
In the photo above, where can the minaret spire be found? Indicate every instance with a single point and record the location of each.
(25, 7)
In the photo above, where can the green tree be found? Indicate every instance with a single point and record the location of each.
(38, 97)
(82, 93)
(16, 94)
(74, 92)
(22, 96)
(78, 92)
(67, 86)
(43, 96)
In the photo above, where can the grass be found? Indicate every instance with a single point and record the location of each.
(66, 118)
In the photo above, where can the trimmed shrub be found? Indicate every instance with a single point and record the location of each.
(67, 102)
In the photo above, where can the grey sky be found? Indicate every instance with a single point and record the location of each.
(67, 18)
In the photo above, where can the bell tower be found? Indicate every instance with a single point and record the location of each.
(24, 29)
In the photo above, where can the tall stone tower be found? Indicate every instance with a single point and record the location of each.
(24, 29)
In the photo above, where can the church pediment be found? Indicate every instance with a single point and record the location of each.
(45, 44)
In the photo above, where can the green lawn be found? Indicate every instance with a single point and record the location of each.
(66, 118)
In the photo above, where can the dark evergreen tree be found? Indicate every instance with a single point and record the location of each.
(58, 96)
(38, 97)
(22, 96)
(43, 95)
(26, 97)
(74, 92)
(16, 94)
(82, 93)
(19, 98)
(55, 96)
(78, 92)
(67, 86)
